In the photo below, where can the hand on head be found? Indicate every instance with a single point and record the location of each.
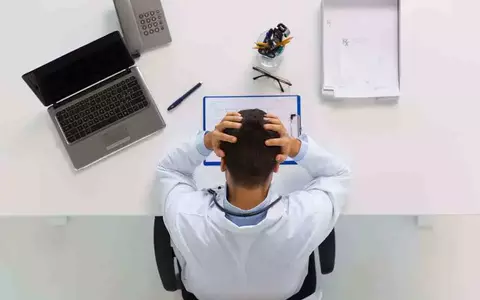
(213, 139)
(290, 146)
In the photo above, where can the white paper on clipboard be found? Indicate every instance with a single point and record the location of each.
(286, 107)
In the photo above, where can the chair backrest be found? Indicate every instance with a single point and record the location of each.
(164, 257)
(327, 253)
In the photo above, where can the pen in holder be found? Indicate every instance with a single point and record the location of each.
(271, 45)
(268, 58)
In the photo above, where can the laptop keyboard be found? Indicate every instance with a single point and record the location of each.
(102, 109)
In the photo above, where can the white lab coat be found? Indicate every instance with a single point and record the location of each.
(221, 260)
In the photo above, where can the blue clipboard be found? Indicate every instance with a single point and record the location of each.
(297, 116)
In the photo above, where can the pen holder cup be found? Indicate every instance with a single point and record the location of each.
(266, 61)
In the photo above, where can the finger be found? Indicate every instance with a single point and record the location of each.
(277, 142)
(273, 120)
(281, 158)
(275, 127)
(233, 113)
(269, 115)
(233, 118)
(220, 136)
(228, 124)
(219, 152)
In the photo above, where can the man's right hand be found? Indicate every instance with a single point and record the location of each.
(212, 139)
(290, 146)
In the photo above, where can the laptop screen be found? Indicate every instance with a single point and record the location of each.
(79, 69)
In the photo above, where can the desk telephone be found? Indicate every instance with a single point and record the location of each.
(143, 24)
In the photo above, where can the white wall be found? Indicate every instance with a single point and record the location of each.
(112, 258)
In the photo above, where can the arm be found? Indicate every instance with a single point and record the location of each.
(320, 203)
(330, 176)
(313, 211)
(175, 171)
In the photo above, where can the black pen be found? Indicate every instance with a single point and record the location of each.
(180, 100)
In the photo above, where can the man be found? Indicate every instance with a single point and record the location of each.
(243, 240)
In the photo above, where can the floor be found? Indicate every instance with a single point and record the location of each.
(102, 258)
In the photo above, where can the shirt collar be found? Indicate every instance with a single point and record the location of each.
(247, 224)
(229, 206)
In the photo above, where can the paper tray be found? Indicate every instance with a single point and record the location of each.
(360, 49)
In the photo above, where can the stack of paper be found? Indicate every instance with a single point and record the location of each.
(360, 48)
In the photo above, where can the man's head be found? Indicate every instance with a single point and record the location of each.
(249, 162)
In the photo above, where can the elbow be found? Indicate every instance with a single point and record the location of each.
(164, 172)
(346, 172)
(164, 165)
(161, 168)
(341, 171)
(340, 190)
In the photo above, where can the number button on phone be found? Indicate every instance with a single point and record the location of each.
(145, 32)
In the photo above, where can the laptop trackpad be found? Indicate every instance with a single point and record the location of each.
(115, 137)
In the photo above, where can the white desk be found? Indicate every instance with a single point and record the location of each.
(421, 156)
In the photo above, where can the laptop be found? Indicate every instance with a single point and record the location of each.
(97, 99)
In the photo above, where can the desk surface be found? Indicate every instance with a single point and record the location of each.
(418, 157)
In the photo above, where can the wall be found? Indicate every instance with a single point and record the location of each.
(112, 258)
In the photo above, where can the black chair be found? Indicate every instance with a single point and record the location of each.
(165, 258)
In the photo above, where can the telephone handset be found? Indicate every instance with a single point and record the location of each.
(143, 24)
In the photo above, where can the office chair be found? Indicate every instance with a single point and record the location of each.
(165, 258)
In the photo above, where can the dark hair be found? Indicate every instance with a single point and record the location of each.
(249, 161)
